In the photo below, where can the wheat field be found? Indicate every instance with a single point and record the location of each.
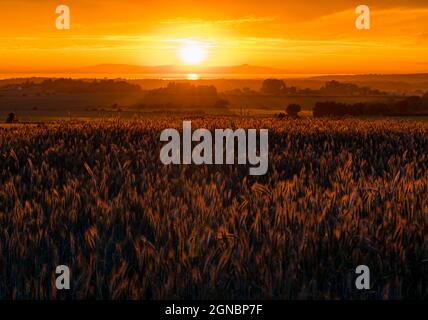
(94, 196)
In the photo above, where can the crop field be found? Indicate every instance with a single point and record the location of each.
(94, 196)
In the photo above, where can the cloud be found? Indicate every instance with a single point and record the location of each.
(246, 20)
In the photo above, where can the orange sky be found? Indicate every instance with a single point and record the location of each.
(299, 36)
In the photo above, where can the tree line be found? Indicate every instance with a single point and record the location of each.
(331, 88)
(80, 86)
(410, 106)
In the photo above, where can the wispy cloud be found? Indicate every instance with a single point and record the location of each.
(241, 20)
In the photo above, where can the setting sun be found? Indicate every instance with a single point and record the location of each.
(193, 54)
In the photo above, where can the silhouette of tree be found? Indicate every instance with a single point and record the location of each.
(11, 118)
(221, 104)
(273, 86)
(336, 88)
(82, 86)
(293, 110)
(183, 94)
(408, 106)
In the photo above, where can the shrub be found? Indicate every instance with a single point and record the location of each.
(293, 110)
(11, 118)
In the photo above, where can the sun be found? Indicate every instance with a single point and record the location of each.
(193, 54)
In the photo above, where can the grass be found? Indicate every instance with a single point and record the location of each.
(95, 196)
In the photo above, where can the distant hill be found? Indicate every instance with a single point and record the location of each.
(174, 69)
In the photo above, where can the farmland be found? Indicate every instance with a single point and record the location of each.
(95, 196)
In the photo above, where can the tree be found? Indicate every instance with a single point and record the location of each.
(293, 110)
(273, 86)
(11, 118)
(409, 105)
(221, 104)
